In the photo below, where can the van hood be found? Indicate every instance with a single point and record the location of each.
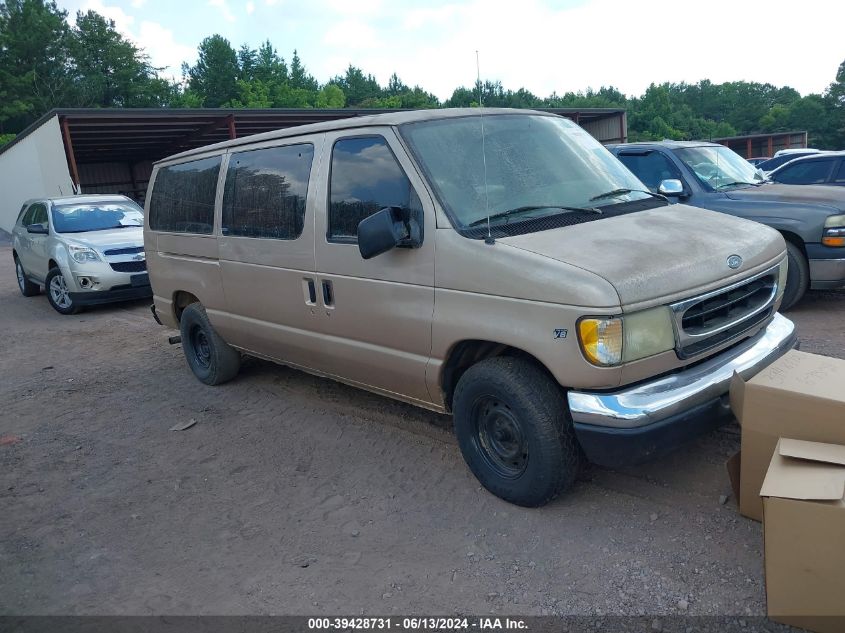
(666, 253)
(775, 192)
(117, 238)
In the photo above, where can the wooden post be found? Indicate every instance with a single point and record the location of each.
(233, 133)
(71, 159)
(771, 145)
(748, 149)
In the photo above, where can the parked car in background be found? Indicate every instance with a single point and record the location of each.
(811, 218)
(784, 156)
(539, 295)
(84, 250)
(827, 168)
(760, 159)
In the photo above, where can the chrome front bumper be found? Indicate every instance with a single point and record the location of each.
(670, 396)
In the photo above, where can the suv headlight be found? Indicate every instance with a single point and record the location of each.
(609, 341)
(834, 231)
(83, 254)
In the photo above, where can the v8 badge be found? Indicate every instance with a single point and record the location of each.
(561, 333)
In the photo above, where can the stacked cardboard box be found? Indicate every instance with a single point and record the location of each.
(790, 474)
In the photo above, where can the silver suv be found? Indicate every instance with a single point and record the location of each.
(84, 250)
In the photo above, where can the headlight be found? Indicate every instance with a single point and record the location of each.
(834, 231)
(83, 254)
(783, 269)
(608, 341)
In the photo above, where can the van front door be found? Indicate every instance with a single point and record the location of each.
(376, 314)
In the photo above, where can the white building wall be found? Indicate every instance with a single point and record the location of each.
(33, 168)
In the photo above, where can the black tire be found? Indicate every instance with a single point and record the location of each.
(514, 431)
(211, 358)
(797, 277)
(59, 299)
(27, 288)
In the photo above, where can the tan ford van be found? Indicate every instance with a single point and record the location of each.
(504, 268)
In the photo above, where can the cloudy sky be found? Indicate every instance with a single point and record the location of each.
(542, 45)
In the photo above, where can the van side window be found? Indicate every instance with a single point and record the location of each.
(265, 192)
(183, 197)
(365, 178)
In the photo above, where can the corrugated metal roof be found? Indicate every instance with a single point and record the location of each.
(131, 135)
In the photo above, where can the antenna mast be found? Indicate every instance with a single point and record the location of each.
(489, 239)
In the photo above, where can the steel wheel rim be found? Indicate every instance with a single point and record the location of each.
(201, 347)
(59, 292)
(21, 276)
(499, 437)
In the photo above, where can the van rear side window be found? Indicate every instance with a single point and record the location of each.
(183, 197)
(265, 192)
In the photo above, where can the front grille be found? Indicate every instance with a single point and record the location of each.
(124, 251)
(129, 267)
(710, 320)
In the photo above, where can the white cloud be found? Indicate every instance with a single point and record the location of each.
(137, 4)
(122, 20)
(250, 7)
(223, 8)
(351, 34)
(164, 51)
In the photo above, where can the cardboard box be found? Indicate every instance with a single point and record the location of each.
(799, 396)
(804, 531)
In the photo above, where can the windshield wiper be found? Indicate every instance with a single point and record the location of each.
(738, 182)
(532, 207)
(622, 191)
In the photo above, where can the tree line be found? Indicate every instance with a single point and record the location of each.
(46, 62)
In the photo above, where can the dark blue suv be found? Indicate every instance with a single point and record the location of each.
(811, 218)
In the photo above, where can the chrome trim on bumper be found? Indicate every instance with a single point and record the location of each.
(650, 402)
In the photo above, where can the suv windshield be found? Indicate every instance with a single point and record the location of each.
(719, 167)
(80, 218)
(536, 166)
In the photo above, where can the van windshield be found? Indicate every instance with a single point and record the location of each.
(536, 166)
(81, 218)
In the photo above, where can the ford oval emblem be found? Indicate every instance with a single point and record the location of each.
(734, 261)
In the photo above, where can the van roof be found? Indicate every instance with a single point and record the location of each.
(387, 119)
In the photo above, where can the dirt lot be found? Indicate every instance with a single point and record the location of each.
(296, 495)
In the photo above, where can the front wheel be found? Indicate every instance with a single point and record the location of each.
(212, 360)
(514, 431)
(58, 293)
(797, 277)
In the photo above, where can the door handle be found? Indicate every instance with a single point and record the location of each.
(310, 292)
(328, 294)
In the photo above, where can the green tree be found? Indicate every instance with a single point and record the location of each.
(269, 67)
(330, 96)
(358, 87)
(299, 77)
(35, 72)
(214, 77)
(247, 58)
(109, 70)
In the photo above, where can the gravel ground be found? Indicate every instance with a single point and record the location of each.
(296, 495)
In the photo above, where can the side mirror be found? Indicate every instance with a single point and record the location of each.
(671, 187)
(387, 229)
(38, 229)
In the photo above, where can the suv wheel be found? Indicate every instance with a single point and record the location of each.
(797, 277)
(211, 359)
(58, 293)
(513, 428)
(28, 289)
